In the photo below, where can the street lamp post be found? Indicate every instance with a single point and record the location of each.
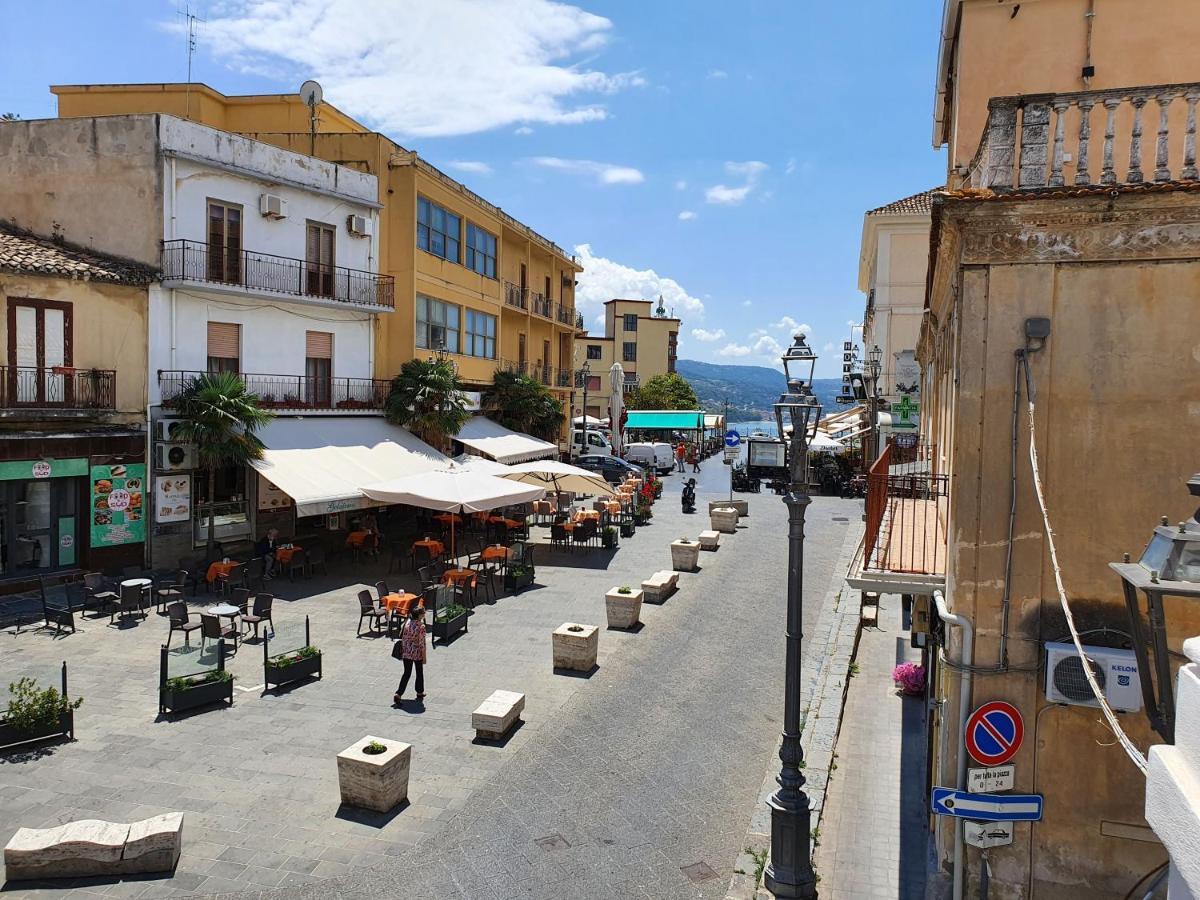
(790, 873)
(585, 372)
(874, 358)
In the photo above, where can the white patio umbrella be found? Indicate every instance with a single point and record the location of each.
(824, 443)
(481, 465)
(590, 420)
(454, 491)
(617, 383)
(560, 477)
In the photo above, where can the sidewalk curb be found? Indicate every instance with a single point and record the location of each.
(825, 693)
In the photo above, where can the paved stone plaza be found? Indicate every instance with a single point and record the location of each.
(636, 781)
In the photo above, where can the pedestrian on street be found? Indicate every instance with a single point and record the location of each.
(410, 650)
(680, 452)
(694, 459)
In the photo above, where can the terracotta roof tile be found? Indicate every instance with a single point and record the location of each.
(27, 253)
(914, 205)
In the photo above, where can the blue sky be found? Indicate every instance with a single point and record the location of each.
(720, 153)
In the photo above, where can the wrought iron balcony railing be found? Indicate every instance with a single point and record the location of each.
(196, 261)
(57, 388)
(564, 314)
(299, 392)
(515, 295)
(1025, 143)
(541, 305)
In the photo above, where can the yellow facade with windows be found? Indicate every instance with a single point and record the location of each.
(496, 295)
(643, 340)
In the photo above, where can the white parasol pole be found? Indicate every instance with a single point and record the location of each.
(617, 383)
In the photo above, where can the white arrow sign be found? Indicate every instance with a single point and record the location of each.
(991, 807)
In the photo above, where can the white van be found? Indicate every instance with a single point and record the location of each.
(597, 444)
(657, 456)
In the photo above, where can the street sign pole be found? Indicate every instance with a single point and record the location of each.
(725, 422)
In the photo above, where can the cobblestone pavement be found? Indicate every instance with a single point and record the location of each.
(874, 836)
(616, 783)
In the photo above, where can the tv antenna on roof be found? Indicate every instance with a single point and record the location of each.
(311, 94)
(192, 19)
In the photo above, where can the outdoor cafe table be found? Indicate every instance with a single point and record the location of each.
(359, 538)
(223, 610)
(613, 507)
(284, 554)
(459, 576)
(401, 603)
(497, 553)
(584, 514)
(220, 570)
(435, 548)
(448, 518)
(507, 523)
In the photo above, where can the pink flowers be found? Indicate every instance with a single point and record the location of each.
(910, 678)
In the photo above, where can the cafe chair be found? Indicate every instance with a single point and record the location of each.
(367, 609)
(179, 616)
(96, 593)
(130, 603)
(428, 576)
(316, 557)
(255, 573)
(211, 627)
(166, 594)
(298, 563)
(262, 613)
(381, 589)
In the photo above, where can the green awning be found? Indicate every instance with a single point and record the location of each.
(665, 420)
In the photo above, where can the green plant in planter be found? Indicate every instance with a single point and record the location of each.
(375, 748)
(450, 612)
(186, 683)
(32, 710)
(624, 589)
(283, 660)
(520, 571)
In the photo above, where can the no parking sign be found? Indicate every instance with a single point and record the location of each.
(994, 733)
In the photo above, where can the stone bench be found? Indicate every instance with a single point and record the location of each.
(661, 585)
(709, 540)
(496, 715)
(94, 847)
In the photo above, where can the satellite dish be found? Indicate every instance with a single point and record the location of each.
(311, 93)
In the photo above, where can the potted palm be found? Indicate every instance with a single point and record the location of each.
(221, 417)
(685, 555)
(427, 399)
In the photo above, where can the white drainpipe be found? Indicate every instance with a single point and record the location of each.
(966, 658)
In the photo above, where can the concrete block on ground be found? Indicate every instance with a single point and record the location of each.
(374, 781)
(709, 540)
(575, 646)
(493, 718)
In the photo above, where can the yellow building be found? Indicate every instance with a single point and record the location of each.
(471, 280)
(645, 345)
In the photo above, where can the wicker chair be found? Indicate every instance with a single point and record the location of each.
(368, 610)
(179, 616)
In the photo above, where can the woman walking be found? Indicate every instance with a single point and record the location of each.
(411, 648)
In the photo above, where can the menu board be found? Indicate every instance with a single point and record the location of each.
(117, 511)
(173, 498)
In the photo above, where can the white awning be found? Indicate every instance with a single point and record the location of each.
(323, 463)
(503, 444)
(711, 421)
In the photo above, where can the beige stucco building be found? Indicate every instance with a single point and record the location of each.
(638, 335)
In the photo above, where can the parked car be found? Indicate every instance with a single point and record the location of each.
(596, 445)
(613, 469)
(658, 456)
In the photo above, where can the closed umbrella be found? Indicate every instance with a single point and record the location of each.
(454, 491)
(617, 383)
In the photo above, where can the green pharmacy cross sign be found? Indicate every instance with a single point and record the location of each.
(906, 411)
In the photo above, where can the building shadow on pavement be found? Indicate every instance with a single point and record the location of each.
(914, 821)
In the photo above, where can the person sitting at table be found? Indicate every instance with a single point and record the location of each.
(266, 549)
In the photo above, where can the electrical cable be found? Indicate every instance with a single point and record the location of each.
(1134, 754)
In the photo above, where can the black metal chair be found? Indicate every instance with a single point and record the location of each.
(255, 573)
(240, 597)
(166, 594)
(130, 603)
(381, 589)
(212, 627)
(316, 557)
(180, 616)
(97, 594)
(298, 563)
(559, 536)
(261, 613)
(367, 609)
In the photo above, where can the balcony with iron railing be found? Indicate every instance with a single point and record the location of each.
(516, 296)
(904, 543)
(252, 271)
(56, 390)
(1051, 140)
(565, 315)
(293, 392)
(541, 305)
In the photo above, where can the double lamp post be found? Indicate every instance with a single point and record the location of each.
(790, 873)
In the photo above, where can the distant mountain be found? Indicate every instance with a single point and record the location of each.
(750, 390)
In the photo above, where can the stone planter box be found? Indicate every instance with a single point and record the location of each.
(11, 737)
(624, 610)
(275, 675)
(724, 519)
(685, 557)
(376, 782)
(742, 506)
(195, 697)
(575, 646)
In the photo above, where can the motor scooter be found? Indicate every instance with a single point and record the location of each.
(688, 498)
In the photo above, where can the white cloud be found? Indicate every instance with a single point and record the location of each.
(603, 279)
(523, 130)
(791, 166)
(681, 185)
(717, 74)
(828, 348)
(749, 172)
(768, 346)
(791, 326)
(605, 173)
(734, 350)
(470, 166)
(747, 303)
(686, 216)
(708, 336)
(387, 62)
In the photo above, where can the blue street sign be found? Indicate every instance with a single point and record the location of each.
(987, 807)
(732, 438)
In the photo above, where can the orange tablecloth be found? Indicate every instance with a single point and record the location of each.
(507, 523)
(584, 515)
(543, 507)
(285, 555)
(613, 508)
(447, 518)
(358, 538)
(459, 576)
(217, 569)
(496, 553)
(401, 603)
(626, 489)
(434, 547)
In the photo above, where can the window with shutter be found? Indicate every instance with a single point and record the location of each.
(318, 366)
(224, 242)
(319, 253)
(224, 347)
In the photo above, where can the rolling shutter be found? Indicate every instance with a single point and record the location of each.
(318, 344)
(224, 340)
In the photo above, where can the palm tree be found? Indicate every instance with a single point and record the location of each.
(220, 416)
(427, 399)
(524, 404)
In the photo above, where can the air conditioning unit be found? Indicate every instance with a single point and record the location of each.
(272, 206)
(174, 457)
(1116, 672)
(359, 226)
(167, 429)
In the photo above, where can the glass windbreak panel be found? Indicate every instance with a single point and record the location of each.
(195, 658)
(1156, 553)
(32, 536)
(44, 674)
(288, 637)
(447, 597)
